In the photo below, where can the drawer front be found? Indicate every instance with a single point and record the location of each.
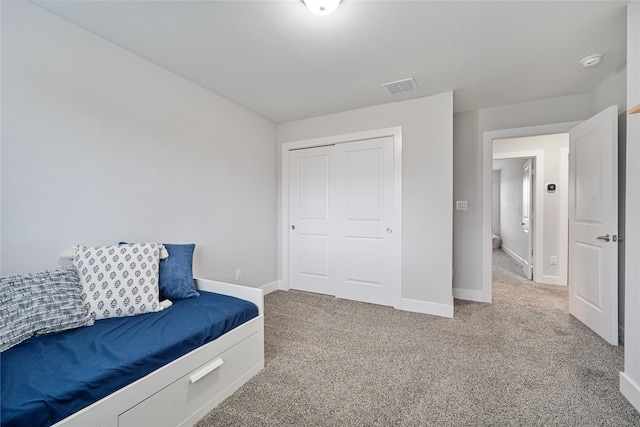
(202, 386)
(173, 404)
(165, 408)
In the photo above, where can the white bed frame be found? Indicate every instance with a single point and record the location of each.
(185, 390)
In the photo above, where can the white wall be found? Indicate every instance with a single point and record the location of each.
(513, 241)
(630, 379)
(467, 225)
(469, 127)
(99, 145)
(495, 218)
(427, 185)
(611, 91)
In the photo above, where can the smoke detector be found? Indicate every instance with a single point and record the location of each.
(401, 86)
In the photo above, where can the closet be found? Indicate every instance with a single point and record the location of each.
(341, 237)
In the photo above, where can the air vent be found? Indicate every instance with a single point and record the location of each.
(401, 86)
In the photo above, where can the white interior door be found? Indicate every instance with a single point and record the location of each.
(527, 223)
(312, 228)
(593, 223)
(364, 221)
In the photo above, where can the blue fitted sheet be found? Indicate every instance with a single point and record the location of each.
(47, 378)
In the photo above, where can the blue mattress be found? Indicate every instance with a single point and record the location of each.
(47, 378)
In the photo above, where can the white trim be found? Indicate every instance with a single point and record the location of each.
(538, 208)
(630, 389)
(397, 210)
(470, 295)
(512, 254)
(271, 287)
(487, 172)
(442, 310)
(396, 134)
(546, 279)
(564, 215)
(553, 280)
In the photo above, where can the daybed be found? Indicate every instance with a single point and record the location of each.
(178, 393)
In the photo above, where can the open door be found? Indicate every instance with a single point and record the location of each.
(527, 208)
(593, 223)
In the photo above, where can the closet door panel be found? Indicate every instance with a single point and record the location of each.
(311, 215)
(364, 220)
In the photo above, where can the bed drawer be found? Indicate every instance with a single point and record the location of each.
(173, 404)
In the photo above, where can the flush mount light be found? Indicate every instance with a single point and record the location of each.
(591, 60)
(322, 7)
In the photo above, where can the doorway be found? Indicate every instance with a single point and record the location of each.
(513, 211)
(547, 243)
(516, 136)
(592, 264)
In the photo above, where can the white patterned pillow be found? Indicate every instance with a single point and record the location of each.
(119, 280)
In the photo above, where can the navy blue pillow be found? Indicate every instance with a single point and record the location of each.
(176, 273)
(175, 277)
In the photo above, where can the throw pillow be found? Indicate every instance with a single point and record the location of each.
(176, 272)
(119, 280)
(39, 303)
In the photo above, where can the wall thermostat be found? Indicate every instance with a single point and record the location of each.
(551, 188)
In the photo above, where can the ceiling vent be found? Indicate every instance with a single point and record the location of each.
(401, 86)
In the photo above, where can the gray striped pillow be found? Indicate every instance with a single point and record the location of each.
(40, 303)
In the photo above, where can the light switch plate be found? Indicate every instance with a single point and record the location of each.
(461, 205)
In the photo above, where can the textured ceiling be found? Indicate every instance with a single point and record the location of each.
(284, 63)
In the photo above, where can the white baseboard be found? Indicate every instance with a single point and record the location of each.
(442, 310)
(270, 287)
(512, 254)
(630, 389)
(471, 295)
(424, 307)
(553, 280)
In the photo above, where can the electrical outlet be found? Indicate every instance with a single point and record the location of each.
(238, 273)
(554, 260)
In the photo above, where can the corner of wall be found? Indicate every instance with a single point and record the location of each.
(630, 378)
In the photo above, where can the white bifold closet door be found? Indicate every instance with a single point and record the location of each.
(342, 206)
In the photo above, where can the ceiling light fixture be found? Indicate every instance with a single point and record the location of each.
(322, 7)
(591, 60)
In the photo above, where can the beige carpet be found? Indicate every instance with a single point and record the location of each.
(522, 360)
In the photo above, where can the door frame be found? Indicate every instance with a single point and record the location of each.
(396, 134)
(528, 209)
(487, 177)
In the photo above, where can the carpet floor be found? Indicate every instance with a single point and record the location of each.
(520, 361)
